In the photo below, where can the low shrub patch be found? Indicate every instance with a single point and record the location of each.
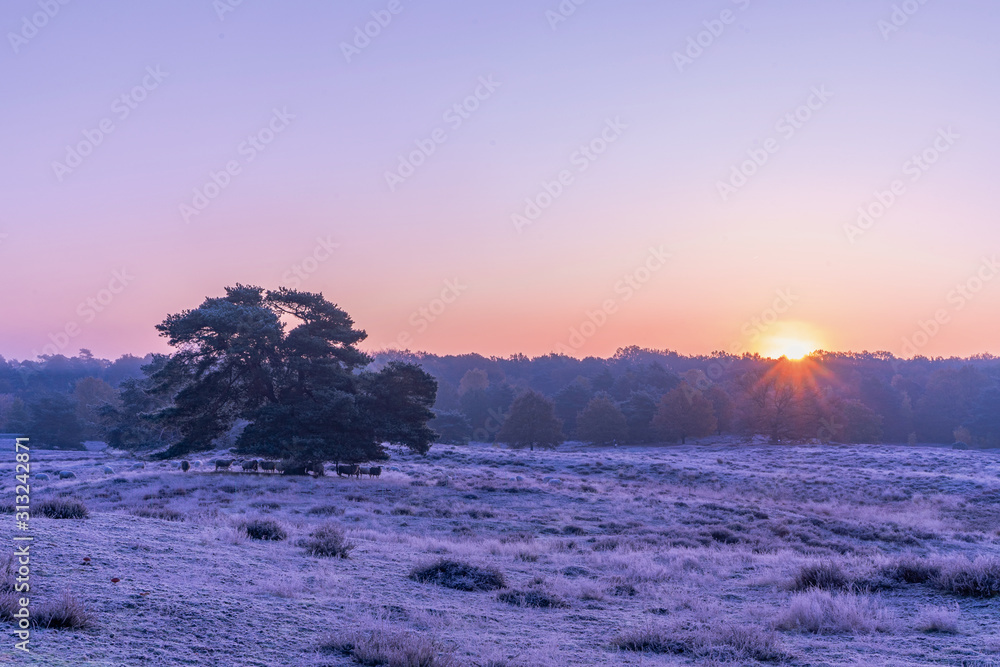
(459, 576)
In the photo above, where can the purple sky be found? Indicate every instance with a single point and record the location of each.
(655, 235)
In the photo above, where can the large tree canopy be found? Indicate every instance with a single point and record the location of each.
(286, 362)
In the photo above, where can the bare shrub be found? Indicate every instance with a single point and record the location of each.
(264, 529)
(382, 645)
(943, 619)
(63, 508)
(826, 575)
(979, 578)
(327, 541)
(460, 576)
(820, 612)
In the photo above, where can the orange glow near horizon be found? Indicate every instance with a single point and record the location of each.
(792, 340)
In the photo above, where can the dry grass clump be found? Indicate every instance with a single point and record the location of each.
(726, 642)
(821, 612)
(327, 541)
(826, 575)
(159, 513)
(911, 569)
(459, 576)
(938, 619)
(264, 529)
(64, 612)
(62, 508)
(382, 645)
(978, 578)
(534, 597)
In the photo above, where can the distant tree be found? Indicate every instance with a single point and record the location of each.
(602, 422)
(722, 408)
(485, 409)
(52, 421)
(984, 423)
(769, 405)
(474, 378)
(639, 411)
(302, 390)
(570, 402)
(129, 423)
(947, 402)
(531, 422)
(452, 428)
(15, 417)
(90, 395)
(684, 412)
(860, 423)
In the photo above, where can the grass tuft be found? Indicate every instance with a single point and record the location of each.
(459, 576)
(62, 508)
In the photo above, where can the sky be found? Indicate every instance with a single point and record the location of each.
(507, 177)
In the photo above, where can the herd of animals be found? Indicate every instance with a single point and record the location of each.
(253, 465)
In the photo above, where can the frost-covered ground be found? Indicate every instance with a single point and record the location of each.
(691, 553)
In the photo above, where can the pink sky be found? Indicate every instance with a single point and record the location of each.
(436, 259)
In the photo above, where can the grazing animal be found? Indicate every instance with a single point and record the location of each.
(108, 470)
(65, 474)
(223, 464)
(267, 465)
(41, 476)
(250, 465)
(185, 465)
(351, 470)
(375, 471)
(364, 471)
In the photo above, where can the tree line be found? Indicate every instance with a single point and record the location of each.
(279, 374)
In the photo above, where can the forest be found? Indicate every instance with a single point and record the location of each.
(636, 396)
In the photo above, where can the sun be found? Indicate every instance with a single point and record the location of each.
(792, 340)
(791, 348)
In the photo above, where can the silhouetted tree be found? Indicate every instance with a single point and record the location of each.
(639, 410)
(570, 401)
(684, 412)
(301, 390)
(90, 394)
(531, 422)
(602, 422)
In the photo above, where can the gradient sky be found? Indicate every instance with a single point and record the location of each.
(778, 242)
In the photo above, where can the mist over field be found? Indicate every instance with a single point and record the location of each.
(514, 334)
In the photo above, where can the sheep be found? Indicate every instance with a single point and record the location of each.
(41, 476)
(267, 465)
(66, 474)
(375, 471)
(108, 470)
(363, 471)
(138, 466)
(223, 464)
(185, 465)
(250, 465)
(350, 470)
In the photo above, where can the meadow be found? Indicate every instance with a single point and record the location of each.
(720, 552)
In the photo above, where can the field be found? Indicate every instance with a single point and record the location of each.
(717, 553)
